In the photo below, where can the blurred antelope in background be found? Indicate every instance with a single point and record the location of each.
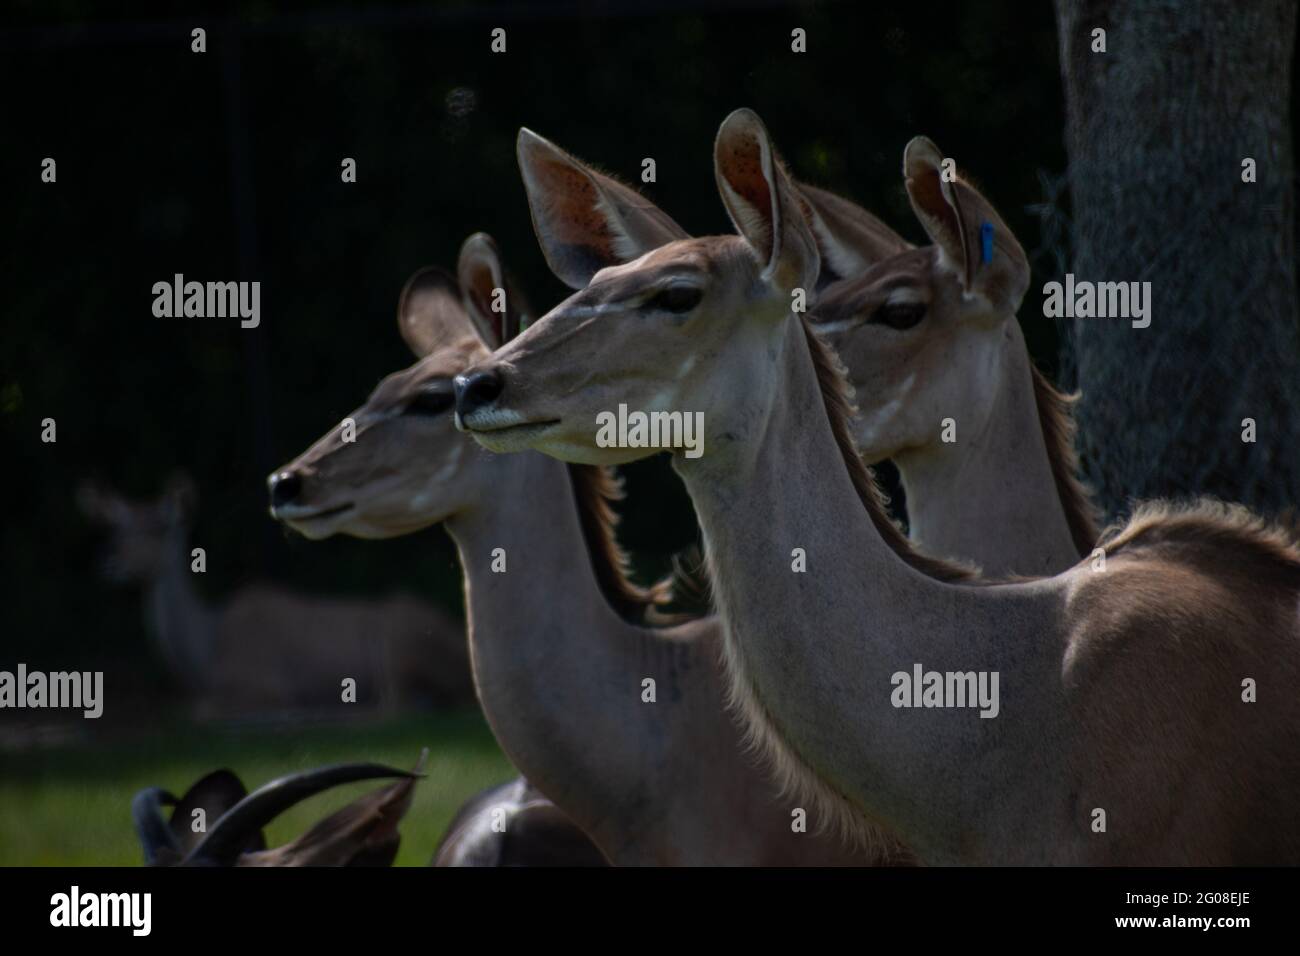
(363, 833)
(559, 652)
(265, 649)
(1124, 698)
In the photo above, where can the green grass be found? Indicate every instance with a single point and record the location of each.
(71, 805)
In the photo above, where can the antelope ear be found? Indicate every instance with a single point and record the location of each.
(763, 202)
(850, 239)
(958, 218)
(430, 311)
(584, 220)
(214, 794)
(491, 301)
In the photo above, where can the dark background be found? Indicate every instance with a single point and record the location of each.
(225, 165)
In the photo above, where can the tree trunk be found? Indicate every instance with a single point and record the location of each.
(1157, 130)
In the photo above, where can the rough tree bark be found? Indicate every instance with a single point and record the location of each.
(1157, 129)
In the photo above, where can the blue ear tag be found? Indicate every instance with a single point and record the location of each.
(986, 241)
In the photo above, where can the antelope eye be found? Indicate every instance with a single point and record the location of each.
(431, 400)
(677, 298)
(899, 315)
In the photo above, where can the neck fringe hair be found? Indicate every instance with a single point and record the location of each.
(831, 808)
(595, 487)
(1204, 531)
(690, 583)
(839, 412)
(1056, 415)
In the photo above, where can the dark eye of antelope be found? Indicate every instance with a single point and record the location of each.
(678, 299)
(899, 315)
(431, 400)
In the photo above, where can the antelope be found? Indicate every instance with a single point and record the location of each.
(1004, 495)
(363, 833)
(560, 657)
(266, 649)
(1130, 730)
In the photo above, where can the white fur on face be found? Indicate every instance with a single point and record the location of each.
(449, 468)
(489, 419)
(874, 421)
(906, 295)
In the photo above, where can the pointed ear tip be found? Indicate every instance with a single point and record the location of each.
(743, 121)
(428, 277)
(529, 145)
(425, 279)
(478, 253)
(742, 114)
(477, 243)
(919, 154)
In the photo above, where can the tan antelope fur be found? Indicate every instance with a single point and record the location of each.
(1122, 690)
(559, 670)
(264, 649)
(919, 351)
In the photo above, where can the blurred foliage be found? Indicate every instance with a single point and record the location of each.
(226, 166)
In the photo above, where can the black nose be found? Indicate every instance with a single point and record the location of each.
(285, 487)
(476, 390)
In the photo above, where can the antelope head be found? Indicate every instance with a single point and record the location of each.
(656, 322)
(922, 331)
(396, 464)
(363, 833)
(144, 535)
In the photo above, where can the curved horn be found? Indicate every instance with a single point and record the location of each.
(151, 827)
(221, 845)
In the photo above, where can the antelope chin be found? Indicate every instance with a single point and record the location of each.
(312, 523)
(504, 431)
